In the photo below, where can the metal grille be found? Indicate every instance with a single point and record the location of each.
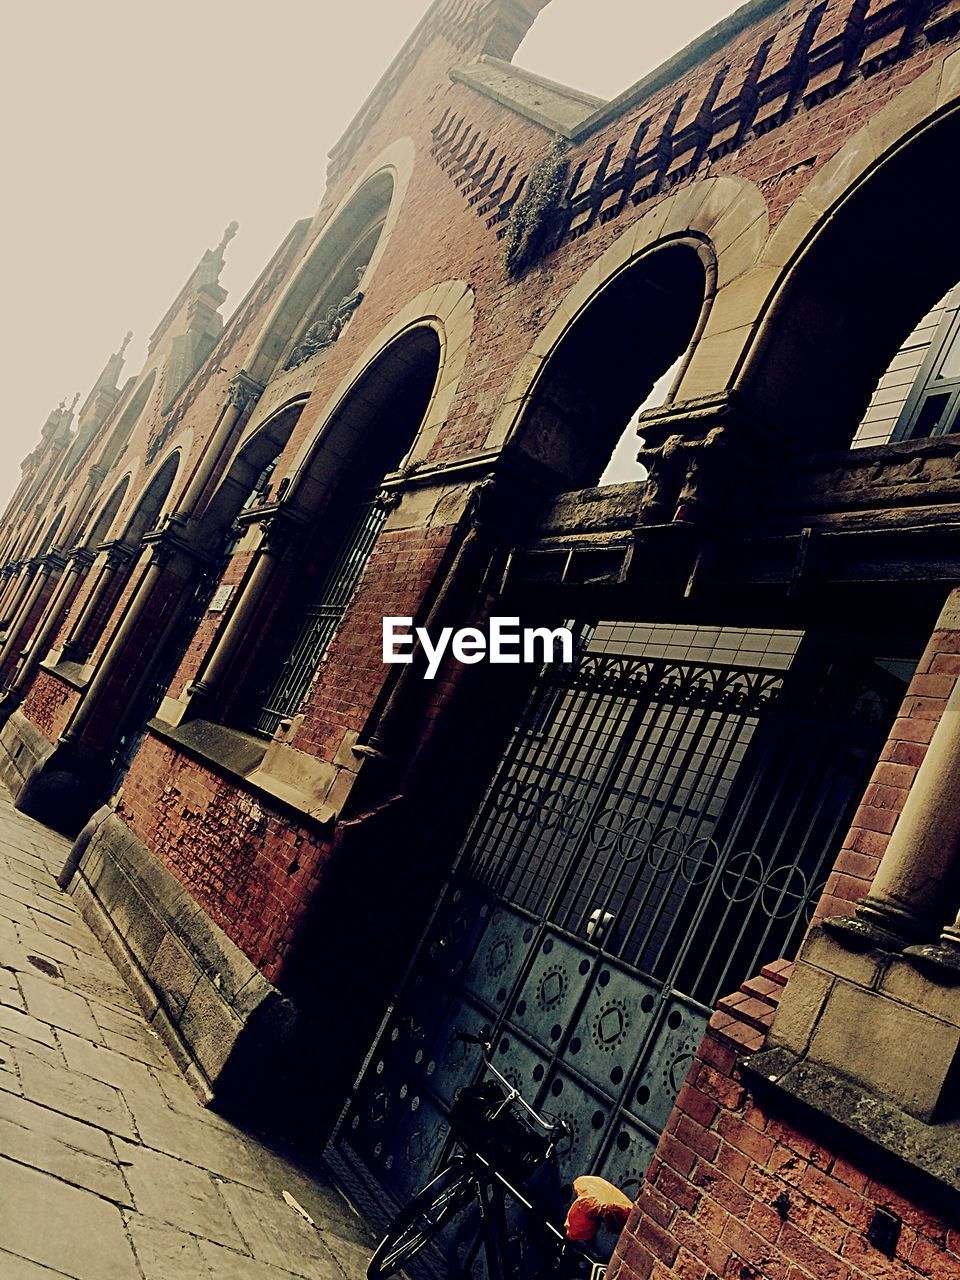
(655, 832)
(320, 621)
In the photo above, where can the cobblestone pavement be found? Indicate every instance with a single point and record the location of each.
(109, 1167)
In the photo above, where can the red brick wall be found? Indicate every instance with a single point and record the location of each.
(440, 235)
(50, 704)
(250, 868)
(735, 1192)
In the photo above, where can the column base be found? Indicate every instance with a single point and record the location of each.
(862, 935)
(224, 1023)
(854, 1015)
(939, 961)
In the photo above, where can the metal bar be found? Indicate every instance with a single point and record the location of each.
(322, 618)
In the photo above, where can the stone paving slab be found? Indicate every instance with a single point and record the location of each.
(109, 1167)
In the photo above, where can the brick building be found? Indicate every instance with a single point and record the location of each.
(314, 867)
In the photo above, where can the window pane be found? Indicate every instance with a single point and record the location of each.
(950, 361)
(928, 420)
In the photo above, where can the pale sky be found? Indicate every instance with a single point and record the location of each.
(135, 132)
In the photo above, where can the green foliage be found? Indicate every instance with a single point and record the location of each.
(534, 217)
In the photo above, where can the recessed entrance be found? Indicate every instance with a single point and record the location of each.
(660, 826)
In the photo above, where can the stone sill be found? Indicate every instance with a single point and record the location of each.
(234, 754)
(73, 674)
(922, 1158)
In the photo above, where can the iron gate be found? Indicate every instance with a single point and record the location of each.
(655, 832)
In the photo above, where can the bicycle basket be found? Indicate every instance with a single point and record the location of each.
(482, 1119)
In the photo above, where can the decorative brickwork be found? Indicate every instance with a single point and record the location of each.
(754, 86)
(704, 219)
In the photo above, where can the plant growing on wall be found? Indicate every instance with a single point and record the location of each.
(533, 220)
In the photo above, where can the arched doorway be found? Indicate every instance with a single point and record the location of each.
(657, 826)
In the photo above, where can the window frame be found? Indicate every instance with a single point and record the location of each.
(925, 384)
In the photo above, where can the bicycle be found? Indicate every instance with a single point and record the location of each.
(505, 1156)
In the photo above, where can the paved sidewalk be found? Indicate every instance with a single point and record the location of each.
(109, 1168)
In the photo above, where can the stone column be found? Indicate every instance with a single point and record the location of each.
(96, 474)
(244, 391)
(52, 566)
(906, 900)
(276, 537)
(80, 562)
(13, 575)
(163, 548)
(20, 587)
(78, 646)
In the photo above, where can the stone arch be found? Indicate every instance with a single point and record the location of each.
(861, 255)
(709, 235)
(446, 311)
(255, 453)
(152, 501)
(334, 497)
(103, 520)
(352, 239)
(45, 540)
(406, 372)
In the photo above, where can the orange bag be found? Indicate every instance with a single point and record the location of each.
(598, 1204)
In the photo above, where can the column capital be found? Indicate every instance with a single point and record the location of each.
(244, 390)
(279, 528)
(118, 553)
(171, 541)
(55, 561)
(81, 558)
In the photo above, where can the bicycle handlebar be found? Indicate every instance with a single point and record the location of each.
(553, 1128)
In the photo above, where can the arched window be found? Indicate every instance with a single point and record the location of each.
(325, 289)
(375, 428)
(101, 521)
(46, 539)
(849, 307)
(131, 414)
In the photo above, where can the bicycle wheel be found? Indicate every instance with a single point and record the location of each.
(418, 1222)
